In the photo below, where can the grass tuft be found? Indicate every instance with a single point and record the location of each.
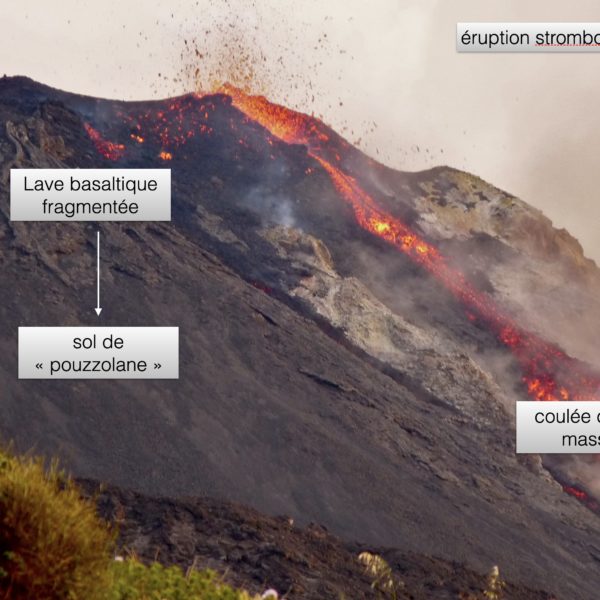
(52, 544)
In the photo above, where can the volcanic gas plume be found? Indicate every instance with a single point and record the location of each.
(547, 372)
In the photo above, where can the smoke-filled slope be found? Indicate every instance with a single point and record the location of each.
(324, 374)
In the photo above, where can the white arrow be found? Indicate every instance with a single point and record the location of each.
(98, 309)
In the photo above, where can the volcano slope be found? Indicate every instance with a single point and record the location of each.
(326, 373)
(257, 552)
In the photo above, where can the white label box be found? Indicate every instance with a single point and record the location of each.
(528, 37)
(558, 427)
(90, 195)
(98, 353)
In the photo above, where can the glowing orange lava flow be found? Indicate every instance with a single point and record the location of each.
(548, 373)
(582, 496)
(287, 125)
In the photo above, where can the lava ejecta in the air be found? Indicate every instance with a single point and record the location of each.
(548, 373)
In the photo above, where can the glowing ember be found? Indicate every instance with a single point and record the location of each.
(108, 149)
(582, 496)
(164, 155)
(173, 126)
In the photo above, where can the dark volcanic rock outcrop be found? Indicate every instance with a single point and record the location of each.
(323, 375)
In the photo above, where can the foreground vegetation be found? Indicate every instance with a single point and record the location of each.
(54, 546)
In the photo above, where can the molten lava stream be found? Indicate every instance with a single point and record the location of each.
(547, 372)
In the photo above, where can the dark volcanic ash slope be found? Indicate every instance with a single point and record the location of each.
(258, 552)
(323, 374)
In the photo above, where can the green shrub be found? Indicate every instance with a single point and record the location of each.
(52, 544)
(136, 581)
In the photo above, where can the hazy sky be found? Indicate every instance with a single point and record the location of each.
(528, 123)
